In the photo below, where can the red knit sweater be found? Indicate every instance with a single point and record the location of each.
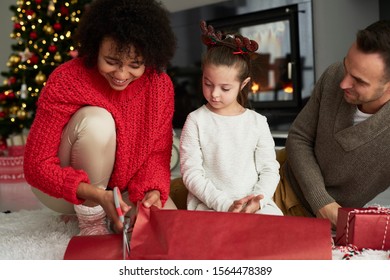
(143, 116)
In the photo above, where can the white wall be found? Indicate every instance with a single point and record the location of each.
(335, 23)
(6, 27)
(179, 5)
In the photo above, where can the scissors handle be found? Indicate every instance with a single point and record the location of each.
(117, 195)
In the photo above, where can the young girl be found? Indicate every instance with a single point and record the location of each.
(227, 152)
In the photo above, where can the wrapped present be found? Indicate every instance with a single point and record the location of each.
(11, 165)
(11, 169)
(16, 151)
(209, 235)
(365, 228)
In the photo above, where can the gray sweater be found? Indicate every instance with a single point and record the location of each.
(329, 158)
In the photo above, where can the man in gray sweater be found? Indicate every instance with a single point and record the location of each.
(338, 148)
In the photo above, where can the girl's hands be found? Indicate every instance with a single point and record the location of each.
(248, 204)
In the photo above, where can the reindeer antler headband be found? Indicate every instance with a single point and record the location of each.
(210, 38)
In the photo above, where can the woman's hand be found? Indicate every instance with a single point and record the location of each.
(152, 198)
(248, 204)
(108, 204)
(94, 196)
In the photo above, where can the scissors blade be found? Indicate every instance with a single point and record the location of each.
(126, 243)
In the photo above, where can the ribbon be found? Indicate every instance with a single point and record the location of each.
(349, 251)
(240, 51)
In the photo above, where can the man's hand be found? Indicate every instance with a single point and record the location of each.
(329, 212)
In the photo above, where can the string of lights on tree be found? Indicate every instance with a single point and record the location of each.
(43, 31)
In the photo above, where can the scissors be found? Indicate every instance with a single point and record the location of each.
(125, 243)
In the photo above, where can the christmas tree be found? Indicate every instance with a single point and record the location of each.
(43, 30)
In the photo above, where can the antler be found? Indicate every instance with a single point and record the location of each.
(250, 45)
(211, 37)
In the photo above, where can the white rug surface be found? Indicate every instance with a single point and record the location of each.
(35, 235)
(44, 235)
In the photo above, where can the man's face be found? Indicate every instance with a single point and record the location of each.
(364, 82)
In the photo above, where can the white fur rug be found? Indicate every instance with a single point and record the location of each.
(44, 235)
(35, 235)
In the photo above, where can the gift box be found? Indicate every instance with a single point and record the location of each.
(365, 228)
(11, 165)
(209, 235)
(11, 169)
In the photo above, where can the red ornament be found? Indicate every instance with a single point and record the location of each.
(3, 144)
(34, 59)
(11, 80)
(38, 2)
(74, 53)
(52, 48)
(17, 25)
(11, 95)
(64, 11)
(2, 97)
(33, 35)
(30, 13)
(57, 26)
(2, 115)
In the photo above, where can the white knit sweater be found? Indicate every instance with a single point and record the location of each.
(224, 158)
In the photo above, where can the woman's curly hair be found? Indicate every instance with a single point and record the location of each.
(144, 24)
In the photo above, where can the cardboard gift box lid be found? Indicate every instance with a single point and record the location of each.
(364, 228)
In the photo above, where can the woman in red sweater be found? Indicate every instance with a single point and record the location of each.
(104, 119)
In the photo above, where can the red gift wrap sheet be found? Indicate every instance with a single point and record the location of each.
(209, 235)
(95, 247)
(365, 228)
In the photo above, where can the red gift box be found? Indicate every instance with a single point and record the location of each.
(364, 228)
(11, 169)
(11, 165)
(209, 235)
